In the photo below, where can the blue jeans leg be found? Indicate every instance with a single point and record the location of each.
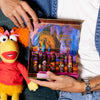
(70, 96)
(78, 96)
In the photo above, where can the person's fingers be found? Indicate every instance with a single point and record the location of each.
(43, 83)
(14, 21)
(52, 76)
(30, 11)
(19, 19)
(22, 12)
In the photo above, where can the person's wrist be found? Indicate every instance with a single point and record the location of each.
(82, 87)
(87, 87)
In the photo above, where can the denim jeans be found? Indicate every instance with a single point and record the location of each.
(78, 96)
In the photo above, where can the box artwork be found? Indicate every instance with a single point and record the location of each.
(54, 47)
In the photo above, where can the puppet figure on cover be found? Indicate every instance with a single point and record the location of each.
(12, 71)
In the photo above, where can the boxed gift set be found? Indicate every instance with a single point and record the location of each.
(54, 47)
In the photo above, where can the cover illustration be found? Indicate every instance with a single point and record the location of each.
(54, 47)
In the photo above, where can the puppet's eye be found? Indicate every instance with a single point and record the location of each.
(13, 38)
(3, 38)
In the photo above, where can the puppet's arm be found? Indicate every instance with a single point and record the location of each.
(31, 85)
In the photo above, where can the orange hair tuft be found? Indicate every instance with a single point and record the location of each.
(23, 35)
(1, 30)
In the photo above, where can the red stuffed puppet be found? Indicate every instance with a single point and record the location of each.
(12, 71)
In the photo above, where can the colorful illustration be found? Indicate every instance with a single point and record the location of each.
(56, 45)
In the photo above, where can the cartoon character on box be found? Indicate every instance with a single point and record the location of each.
(61, 66)
(35, 66)
(53, 66)
(12, 71)
(44, 61)
(35, 62)
(44, 65)
(53, 63)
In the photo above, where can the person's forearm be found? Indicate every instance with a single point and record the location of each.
(95, 84)
(81, 86)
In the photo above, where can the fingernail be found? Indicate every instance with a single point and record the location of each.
(48, 72)
(31, 29)
(24, 26)
(35, 22)
(32, 32)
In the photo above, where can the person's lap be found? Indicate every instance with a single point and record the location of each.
(42, 93)
(78, 96)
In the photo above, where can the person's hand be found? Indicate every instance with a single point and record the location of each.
(17, 10)
(62, 82)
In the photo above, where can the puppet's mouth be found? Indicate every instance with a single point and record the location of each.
(10, 55)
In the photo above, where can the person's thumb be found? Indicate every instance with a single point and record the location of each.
(52, 76)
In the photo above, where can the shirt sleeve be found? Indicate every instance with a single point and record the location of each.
(24, 72)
